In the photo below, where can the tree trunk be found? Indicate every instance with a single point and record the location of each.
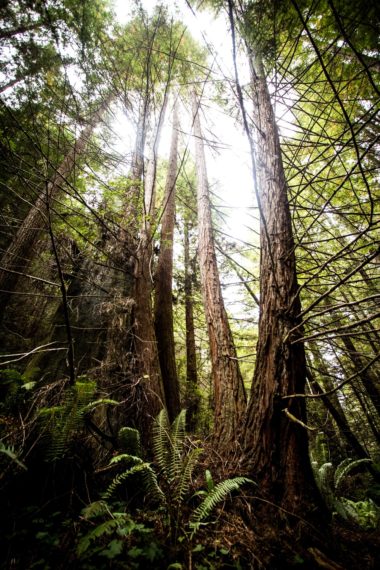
(16, 257)
(163, 312)
(369, 381)
(192, 399)
(145, 365)
(275, 441)
(229, 391)
(340, 420)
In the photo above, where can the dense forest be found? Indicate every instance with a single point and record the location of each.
(190, 331)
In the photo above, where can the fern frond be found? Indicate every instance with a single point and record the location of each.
(344, 469)
(130, 440)
(162, 441)
(177, 438)
(184, 482)
(209, 481)
(64, 421)
(126, 457)
(152, 487)
(119, 479)
(105, 528)
(102, 402)
(217, 495)
(95, 509)
(10, 452)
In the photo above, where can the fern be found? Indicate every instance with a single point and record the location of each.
(183, 486)
(209, 481)
(10, 452)
(162, 441)
(119, 479)
(126, 457)
(130, 440)
(345, 468)
(177, 438)
(64, 421)
(101, 402)
(95, 509)
(218, 494)
(106, 528)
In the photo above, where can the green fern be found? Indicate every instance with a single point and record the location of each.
(106, 528)
(130, 440)
(126, 457)
(218, 494)
(95, 509)
(177, 438)
(162, 441)
(62, 422)
(209, 481)
(184, 482)
(344, 468)
(119, 479)
(101, 402)
(9, 451)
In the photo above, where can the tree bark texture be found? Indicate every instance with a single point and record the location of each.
(229, 391)
(192, 398)
(276, 446)
(163, 310)
(17, 256)
(145, 365)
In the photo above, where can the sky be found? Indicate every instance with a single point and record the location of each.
(228, 163)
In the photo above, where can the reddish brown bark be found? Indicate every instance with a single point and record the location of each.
(276, 446)
(163, 311)
(192, 398)
(145, 365)
(229, 391)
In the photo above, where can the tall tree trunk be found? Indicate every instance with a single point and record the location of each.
(163, 311)
(229, 391)
(146, 366)
(131, 356)
(340, 419)
(369, 380)
(192, 399)
(275, 441)
(15, 259)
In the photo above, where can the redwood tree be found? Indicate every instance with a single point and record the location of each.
(229, 391)
(163, 310)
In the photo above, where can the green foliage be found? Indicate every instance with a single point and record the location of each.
(9, 451)
(129, 439)
(169, 488)
(217, 494)
(62, 423)
(344, 469)
(365, 514)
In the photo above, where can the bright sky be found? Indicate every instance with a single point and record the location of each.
(228, 165)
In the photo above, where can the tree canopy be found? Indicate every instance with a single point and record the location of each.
(159, 353)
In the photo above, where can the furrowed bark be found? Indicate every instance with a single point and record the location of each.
(229, 391)
(163, 312)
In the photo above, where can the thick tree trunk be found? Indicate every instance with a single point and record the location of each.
(16, 257)
(229, 391)
(275, 441)
(145, 365)
(163, 311)
(192, 398)
(132, 358)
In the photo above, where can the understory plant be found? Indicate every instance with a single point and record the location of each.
(61, 423)
(168, 485)
(365, 513)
